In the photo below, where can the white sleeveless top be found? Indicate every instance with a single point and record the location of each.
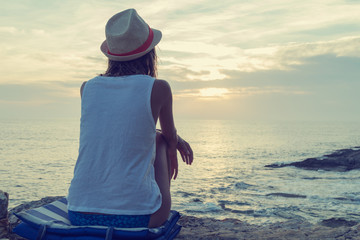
(114, 172)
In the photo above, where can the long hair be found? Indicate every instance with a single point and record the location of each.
(145, 65)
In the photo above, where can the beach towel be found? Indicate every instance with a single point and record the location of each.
(50, 222)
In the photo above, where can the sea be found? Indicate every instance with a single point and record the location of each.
(228, 178)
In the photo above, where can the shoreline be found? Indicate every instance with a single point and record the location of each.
(209, 228)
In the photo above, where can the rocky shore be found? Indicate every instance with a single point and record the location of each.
(208, 228)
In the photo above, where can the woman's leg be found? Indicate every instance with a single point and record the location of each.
(162, 177)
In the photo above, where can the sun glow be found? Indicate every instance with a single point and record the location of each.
(213, 92)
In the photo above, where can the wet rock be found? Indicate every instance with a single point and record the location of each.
(4, 202)
(338, 222)
(4, 223)
(287, 195)
(242, 185)
(341, 161)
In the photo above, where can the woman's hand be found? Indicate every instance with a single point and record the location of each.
(186, 154)
(185, 151)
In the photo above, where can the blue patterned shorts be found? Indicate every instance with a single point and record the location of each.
(121, 221)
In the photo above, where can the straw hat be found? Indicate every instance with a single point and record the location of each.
(128, 37)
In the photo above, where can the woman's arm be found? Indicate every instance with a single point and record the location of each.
(162, 107)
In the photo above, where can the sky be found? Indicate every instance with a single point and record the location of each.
(248, 60)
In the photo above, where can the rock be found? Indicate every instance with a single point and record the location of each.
(4, 223)
(338, 222)
(287, 195)
(4, 202)
(207, 228)
(340, 161)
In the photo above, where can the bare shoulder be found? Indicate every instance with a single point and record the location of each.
(162, 84)
(162, 87)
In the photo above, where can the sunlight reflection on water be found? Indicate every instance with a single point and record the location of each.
(227, 178)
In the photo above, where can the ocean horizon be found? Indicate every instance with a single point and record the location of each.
(227, 179)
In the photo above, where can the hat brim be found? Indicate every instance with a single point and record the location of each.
(104, 48)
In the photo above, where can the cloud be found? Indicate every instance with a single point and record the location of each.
(322, 88)
(255, 36)
(212, 64)
(251, 23)
(285, 56)
(9, 30)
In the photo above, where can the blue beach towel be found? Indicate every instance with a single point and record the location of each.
(50, 222)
